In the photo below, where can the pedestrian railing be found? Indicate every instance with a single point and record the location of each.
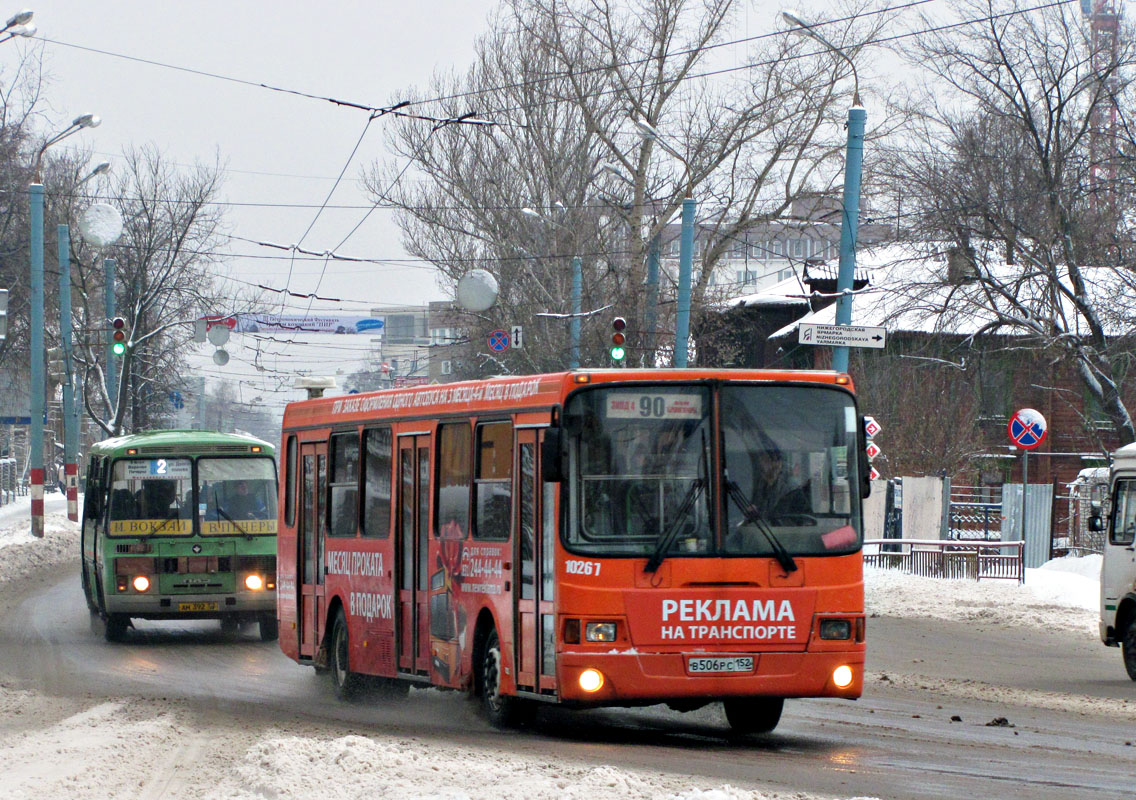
(935, 558)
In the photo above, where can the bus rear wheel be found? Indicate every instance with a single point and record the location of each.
(348, 685)
(1128, 648)
(753, 714)
(269, 626)
(115, 627)
(503, 711)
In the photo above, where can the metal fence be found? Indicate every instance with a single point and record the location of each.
(975, 512)
(9, 480)
(933, 558)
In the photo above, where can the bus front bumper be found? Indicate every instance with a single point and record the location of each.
(637, 677)
(190, 606)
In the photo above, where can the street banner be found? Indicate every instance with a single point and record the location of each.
(298, 323)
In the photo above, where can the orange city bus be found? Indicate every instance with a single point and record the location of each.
(589, 538)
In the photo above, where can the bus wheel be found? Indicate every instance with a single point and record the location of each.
(348, 685)
(115, 627)
(503, 711)
(269, 627)
(1128, 648)
(753, 714)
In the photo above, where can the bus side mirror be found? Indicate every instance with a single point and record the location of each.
(1096, 524)
(551, 457)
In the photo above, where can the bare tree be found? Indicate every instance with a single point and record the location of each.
(559, 81)
(162, 283)
(1007, 169)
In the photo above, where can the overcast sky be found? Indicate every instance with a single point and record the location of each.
(281, 152)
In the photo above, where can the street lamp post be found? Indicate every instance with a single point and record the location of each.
(36, 399)
(577, 293)
(853, 160)
(686, 246)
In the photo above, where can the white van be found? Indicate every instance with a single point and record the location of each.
(1118, 571)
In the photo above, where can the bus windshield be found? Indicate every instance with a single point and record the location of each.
(642, 461)
(644, 481)
(151, 496)
(237, 495)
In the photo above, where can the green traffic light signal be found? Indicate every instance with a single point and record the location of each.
(118, 348)
(618, 353)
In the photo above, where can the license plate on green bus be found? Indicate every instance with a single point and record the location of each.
(210, 606)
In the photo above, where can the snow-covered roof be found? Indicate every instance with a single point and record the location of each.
(789, 293)
(908, 291)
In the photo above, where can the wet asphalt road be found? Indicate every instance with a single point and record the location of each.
(893, 743)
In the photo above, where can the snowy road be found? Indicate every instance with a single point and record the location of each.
(1066, 701)
(180, 711)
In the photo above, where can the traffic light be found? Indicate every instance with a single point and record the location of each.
(618, 351)
(118, 336)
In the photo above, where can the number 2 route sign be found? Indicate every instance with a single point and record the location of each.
(1027, 428)
(498, 341)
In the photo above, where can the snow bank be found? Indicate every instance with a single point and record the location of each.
(21, 553)
(1064, 593)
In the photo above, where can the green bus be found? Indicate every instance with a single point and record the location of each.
(181, 524)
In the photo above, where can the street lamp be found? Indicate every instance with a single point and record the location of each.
(19, 24)
(686, 245)
(853, 159)
(36, 400)
(577, 289)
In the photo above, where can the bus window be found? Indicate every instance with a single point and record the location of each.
(1124, 519)
(641, 457)
(454, 476)
(290, 483)
(493, 486)
(344, 505)
(237, 495)
(377, 482)
(148, 496)
(790, 460)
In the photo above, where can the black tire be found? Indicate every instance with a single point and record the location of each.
(1128, 648)
(501, 710)
(115, 627)
(269, 626)
(753, 714)
(348, 685)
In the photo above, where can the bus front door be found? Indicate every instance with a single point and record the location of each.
(310, 541)
(411, 559)
(533, 616)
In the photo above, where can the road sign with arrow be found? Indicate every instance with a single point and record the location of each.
(841, 335)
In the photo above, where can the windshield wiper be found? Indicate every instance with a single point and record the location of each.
(236, 524)
(684, 507)
(753, 516)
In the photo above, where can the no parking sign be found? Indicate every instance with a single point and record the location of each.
(1027, 429)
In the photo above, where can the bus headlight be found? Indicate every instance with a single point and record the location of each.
(842, 676)
(591, 680)
(599, 632)
(254, 582)
(141, 583)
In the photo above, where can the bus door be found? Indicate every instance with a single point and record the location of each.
(310, 543)
(533, 610)
(412, 554)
